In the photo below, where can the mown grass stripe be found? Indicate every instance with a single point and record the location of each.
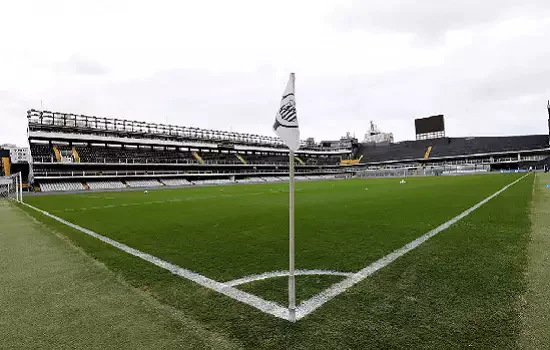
(318, 300)
(273, 308)
(247, 298)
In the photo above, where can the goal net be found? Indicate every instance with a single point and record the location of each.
(11, 187)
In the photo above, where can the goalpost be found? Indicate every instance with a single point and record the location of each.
(11, 187)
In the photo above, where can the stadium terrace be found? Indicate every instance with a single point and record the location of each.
(75, 152)
(72, 152)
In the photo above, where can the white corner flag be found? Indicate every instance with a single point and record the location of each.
(286, 120)
(286, 127)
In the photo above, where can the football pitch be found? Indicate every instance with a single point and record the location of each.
(220, 254)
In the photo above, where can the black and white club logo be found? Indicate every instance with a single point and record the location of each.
(287, 116)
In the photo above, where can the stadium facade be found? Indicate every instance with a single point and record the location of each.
(78, 152)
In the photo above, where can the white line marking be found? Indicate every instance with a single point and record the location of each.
(265, 306)
(318, 300)
(273, 274)
(270, 307)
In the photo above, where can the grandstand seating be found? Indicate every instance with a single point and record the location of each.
(148, 155)
(449, 147)
(41, 152)
(105, 185)
(252, 180)
(219, 158)
(176, 182)
(213, 182)
(143, 183)
(97, 154)
(476, 145)
(272, 179)
(110, 185)
(322, 177)
(283, 159)
(266, 159)
(62, 186)
(326, 160)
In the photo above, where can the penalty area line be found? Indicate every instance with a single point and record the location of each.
(310, 305)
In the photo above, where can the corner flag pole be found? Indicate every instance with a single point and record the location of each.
(286, 127)
(291, 278)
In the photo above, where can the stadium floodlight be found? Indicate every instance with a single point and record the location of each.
(286, 127)
(11, 187)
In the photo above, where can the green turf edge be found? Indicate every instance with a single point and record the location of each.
(217, 312)
(389, 309)
(535, 305)
(54, 296)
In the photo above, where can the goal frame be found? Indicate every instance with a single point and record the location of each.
(11, 187)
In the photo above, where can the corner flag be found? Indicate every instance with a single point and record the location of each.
(286, 127)
(286, 120)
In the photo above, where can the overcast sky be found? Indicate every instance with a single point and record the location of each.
(224, 64)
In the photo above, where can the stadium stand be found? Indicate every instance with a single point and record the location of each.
(213, 182)
(105, 185)
(272, 179)
(108, 153)
(322, 177)
(254, 180)
(176, 182)
(62, 186)
(42, 152)
(105, 153)
(143, 183)
(450, 147)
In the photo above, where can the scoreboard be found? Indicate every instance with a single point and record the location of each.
(430, 127)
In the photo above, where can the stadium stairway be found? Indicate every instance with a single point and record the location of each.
(241, 158)
(76, 156)
(57, 153)
(6, 166)
(428, 150)
(198, 157)
(351, 161)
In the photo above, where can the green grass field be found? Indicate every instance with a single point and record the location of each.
(461, 288)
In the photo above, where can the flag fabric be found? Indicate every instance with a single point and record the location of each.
(286, 120)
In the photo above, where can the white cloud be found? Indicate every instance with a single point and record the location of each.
(223, 65)
(81, 66)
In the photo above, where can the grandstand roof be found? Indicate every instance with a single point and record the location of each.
(451, 147)
(68, 122)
